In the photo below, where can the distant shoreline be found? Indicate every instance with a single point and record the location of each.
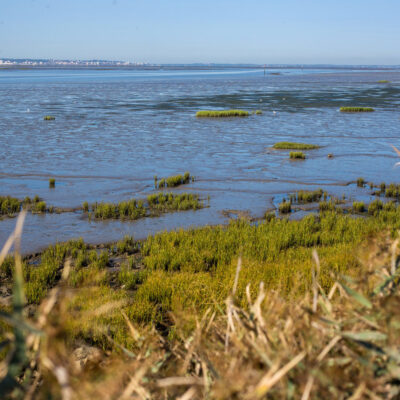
(178, 67)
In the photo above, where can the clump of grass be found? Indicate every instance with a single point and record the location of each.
(9, 205)
(297, 155)
(131, 209)
(49, 118)
(222, 114)
(383, 81)
(375, 207)
(174, 202)
(358, 206)
(306, 196)
(295, 146)
(175, 180)
(325, 206)
(360, 182)
(356, 109)
(85, 206)
(38, 207)
(52, 183)
(285, 207)
(257, 112)
(392, 190)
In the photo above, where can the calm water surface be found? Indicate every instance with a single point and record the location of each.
(115, 130)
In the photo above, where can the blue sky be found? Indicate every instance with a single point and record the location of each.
(220, 31)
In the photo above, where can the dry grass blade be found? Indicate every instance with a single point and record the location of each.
(189, 394)
(62, 377)
(180, 381)
(308, 388)
(268, 382)
(15, 235)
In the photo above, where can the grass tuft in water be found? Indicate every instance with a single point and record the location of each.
(9, 205)
(297, 155)
(356, 109)
(222, 114)
(360, 182)
(52, 183)
(294, 146)
(285, 207)
(49, 118)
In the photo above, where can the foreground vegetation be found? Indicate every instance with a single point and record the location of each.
(186, 314)
(295, 146)
(222, 114)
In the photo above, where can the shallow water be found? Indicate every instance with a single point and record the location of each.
(115, 130)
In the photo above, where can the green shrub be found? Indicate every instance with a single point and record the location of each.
(222, 114)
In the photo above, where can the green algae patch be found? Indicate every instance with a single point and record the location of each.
(294, 146)
(356, 109)
(222, 114)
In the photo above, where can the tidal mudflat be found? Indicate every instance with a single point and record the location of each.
(113, 131)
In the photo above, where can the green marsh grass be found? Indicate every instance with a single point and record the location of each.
(294, 146)
(356, 109)
(306, 196)
(49, 118)
(175, 180)
(131, 209)
(360, 182)
(358, 206)
(285, 207)
(52, 183)
(174, 202)
(297, 155)
(9, 205)
(383, 81)
(222, 114)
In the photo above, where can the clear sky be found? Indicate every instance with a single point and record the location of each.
(219, 31)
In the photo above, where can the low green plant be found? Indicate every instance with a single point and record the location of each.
(306, 196)
(356, 109)
(392, 190)
(221, 114)
(360, 182)
(295, 146)
(49, 118)
(131, 209)
(358, 206)
(174, 202)
(38, 207)
(375, 207)
(9, 205)
(85, 206)
(175, 180)
(297, 155)
(383, 81)
(52, 183)
(285, 207)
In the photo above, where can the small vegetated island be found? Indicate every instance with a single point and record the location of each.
(154, 205)
(295, 146)
(356, 109)
(222, 113)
